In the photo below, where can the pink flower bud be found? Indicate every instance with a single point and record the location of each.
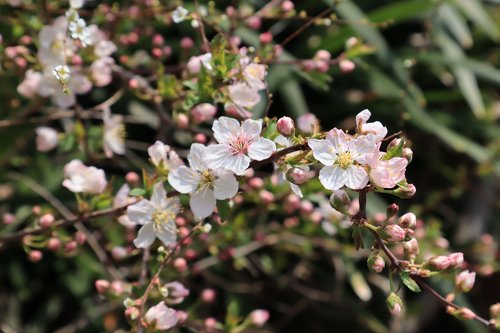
(266, 38)
(46, 138)
(308, 65)
(254, 22)
(340, 201)
(346, 66)
(180, 264)
(46, 220)
(392, 210)
(439, 263)
(132, 313)
(117, 288)
(376, 263)
(80, 237)
(408, 154)
(158, 40)
(70, 246)
(286, 126)
(256, 182)
(54, 244)
(316, 217)
(292, 203)
(118, 252)
(393, 233)
(101, 286)
(200, 138)
(297, 176)
(287, 6)
(210, 323)
(208, 295)
(266, 197)
(8, 218)
(36, 210)
(307, 123)
(322, 66)
(351, 42)
(456, 259)
(133, 37)
(465, 281)
(394, 304)
(133, 178)
(182, 316)
(306, 207)
(35, 255)
(323, 55)
(259, 317)
(394, 143)
(408, 220)
(203, 112)
(464, 314)
(182, 121)
(291, 222)
(157, 52)
(187, 43)
(406, 192)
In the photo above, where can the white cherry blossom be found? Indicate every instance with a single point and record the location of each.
(161, 317)
(162, 156)
(84, 179)
(204, 184)
(376, 128)
(238, 145)
(179, 14)
(114, 134)
(46, 138)
(156, 217)
(344, 158)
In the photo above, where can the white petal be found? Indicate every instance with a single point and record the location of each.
(202, 202)
(339, 140)
(252, 128)
(172, 204)
(167, 233)
(296, 189)
(225, 128)
(322, 151)
(157, 152)
(221, 157)
(225, 186)
(357, 178)
(261, 149)
(184, 179)
(140, 213)
(362, 118)
(332, 177)
(158, 195)
(146, 236)
(196, 157)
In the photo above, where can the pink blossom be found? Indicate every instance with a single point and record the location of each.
(161, 317)
(307, 123)
(29, 87)
(194, 64)
(101, 71)
(81, 178)
(285, 125)
(465, 281)
(164, 157)
(259, 317)
(46, 138)
(176, 292)
(203, 112)
(375, 128)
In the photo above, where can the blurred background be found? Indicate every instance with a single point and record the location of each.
(429, 70)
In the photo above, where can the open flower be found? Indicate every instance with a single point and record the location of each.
(81, 178)
(238, 144)
(46, 138)
(122, 199)
(174, 292)
(344, 158)
(376, 128)
(386, 173)
(156, 217)
(161, 317)
(179, 14)
(164, 157)
(114, 133)
(204, 184)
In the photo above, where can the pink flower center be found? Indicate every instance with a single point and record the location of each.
(240, 144)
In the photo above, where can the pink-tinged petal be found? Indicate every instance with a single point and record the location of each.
(380, 177)
(202, 202)
(362, 118)
(243, 94)
(184, 179)
(146, 236)
(196, 157)
(221, 157)
(323, 151)
(162, 317)
(252, 128)
(140, 213)
(397, 167)
(357, 177)
(376, 128)
(73, 167)
(225, 186)
(339, 140)
(261, 149)
(158, 152)
(167, 233)
(332, 177)
(158, 195)
(225, 129)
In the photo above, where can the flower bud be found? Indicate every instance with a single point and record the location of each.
(70, 246)
(392, 210)
(495, 310)
(208, 295)
(182, 121)
(408, 154)
(286, 126)
(132, 313)
(394, 143)
(266, 38)
(439, 263)
(254, 22)
(133, 178)
(405, 192)
(307, 123)
(118, 252)
(322, 55)
(203, 112)
(456, 259)
(117, 288)
(411, 248)
(8, 218)
(297, 176)
(376, 263)
(346, 66)
(46, 139)
(463, 313)
(35, 256)
(465, 281)
(394, 304)
(210, 324)
(101, 286)
(80, 237)
(54, 244)
(259, 317)
(393, 233)
(340, 201)
(266, 197)
(180, 264)
(408, 220)
(351, 42)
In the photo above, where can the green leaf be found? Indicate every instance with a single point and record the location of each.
(456, 24)
(409, 282)
(137, 192)
(224, 209)
(475, 11)
(271, 130)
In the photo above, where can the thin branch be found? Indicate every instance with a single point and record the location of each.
(305, 26)
(277, 155)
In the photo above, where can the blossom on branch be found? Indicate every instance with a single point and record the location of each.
(161, 317)
(84, 179)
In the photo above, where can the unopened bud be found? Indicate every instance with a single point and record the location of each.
(101, 286)
(285, 126)
(297, 176)
(392, 210)
(8, 218)
(465, 281)
(133, 178)
(394, 143)
(35, 256)
(405, 192)
(266, 37)
(259, 317)
(346, 66)
(376, 263)
(132, 313)
(180, 264)
(351, 42)
(393, 233)
(203, 112)
(411, 248)
(463, 313)
(70, 246)
(206, 228)
(495, 310)
(394, 304)
(408, 154)
(54, 244)
(46, 220)
(208, 295)
(408, 220)
(439, 263)
(456, 259)
(340, 201)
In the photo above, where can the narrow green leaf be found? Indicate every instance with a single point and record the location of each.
(475, 11)
(409, 282)
(137, 192)
(456, 24)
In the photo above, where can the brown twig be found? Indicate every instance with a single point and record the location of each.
(305, 26)
(277, 155)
